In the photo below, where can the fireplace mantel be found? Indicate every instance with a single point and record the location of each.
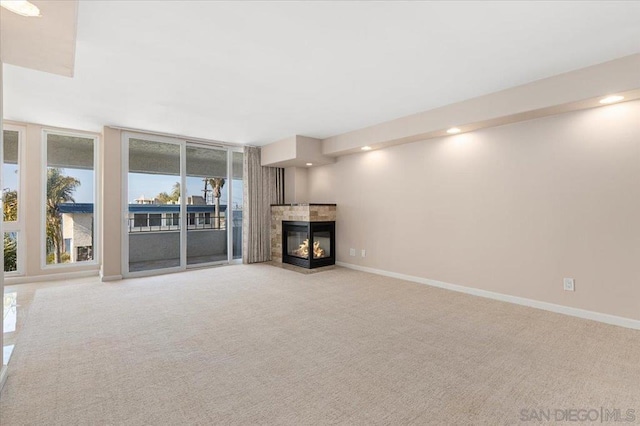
(303, 212)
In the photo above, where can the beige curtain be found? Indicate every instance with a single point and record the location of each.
(263, 186)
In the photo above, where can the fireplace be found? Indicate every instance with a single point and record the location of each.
(309, 244)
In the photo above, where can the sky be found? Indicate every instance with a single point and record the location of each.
(139, 184)
(83, 193)
(9, 176)
(151, 185)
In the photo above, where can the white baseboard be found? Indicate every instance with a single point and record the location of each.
(3, 376)
(49, 277)
(105, 278)
(560, 309)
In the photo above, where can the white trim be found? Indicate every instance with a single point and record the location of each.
(229, 212)
(3, 375)
(184, 219)
(3, 369)
(106, 278)
(124, 208)
(97, 201)
(18, 226)
(560, 309)
(51, 277)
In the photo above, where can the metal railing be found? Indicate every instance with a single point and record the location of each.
(173, 224)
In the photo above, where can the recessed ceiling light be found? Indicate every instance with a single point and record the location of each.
(611, 99)
(21, 7)
(366, 148)
(309, 164)
(453, 130)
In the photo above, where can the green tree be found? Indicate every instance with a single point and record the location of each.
(165, 198)
(60, 189)
(10, 210)
(10, 252)
(10, 205)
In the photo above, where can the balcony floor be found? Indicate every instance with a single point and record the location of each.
(150, 265)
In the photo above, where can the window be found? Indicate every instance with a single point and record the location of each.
(155, 219)
(204, 218)
(70, 198)
(10, 251)
(153, 181)
(140, 220)
(10, 175)
(237, 203)
(84, 254)
(12, 208)
(189, 185)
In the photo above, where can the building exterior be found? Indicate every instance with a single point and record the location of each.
(144, 217)
(166, 217)
(77, 230)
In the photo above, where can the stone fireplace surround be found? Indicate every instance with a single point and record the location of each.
(299, 213)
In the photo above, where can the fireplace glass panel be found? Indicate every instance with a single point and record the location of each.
(321, 244)
(298, 244)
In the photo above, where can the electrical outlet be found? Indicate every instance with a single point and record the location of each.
(364, 253)
(352, 252)
(569, 284)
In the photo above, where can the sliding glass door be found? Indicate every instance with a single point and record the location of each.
(177, 208)
(206, 205)
(153, 205)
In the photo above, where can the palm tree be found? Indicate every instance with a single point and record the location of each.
(175, 191)
(60, 189)
(165, 198)
(216, 186)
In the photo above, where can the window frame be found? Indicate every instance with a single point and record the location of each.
(18, 225)
(97, 222)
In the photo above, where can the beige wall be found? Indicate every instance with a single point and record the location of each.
(279, 151)
(295, 185)
(112, 214)
(510, 209)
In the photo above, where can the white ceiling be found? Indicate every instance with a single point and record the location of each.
(255, 72)
(46, 43)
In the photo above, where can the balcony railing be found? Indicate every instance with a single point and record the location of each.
(173, 224)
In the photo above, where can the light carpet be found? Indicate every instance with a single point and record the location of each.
(263, 345)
